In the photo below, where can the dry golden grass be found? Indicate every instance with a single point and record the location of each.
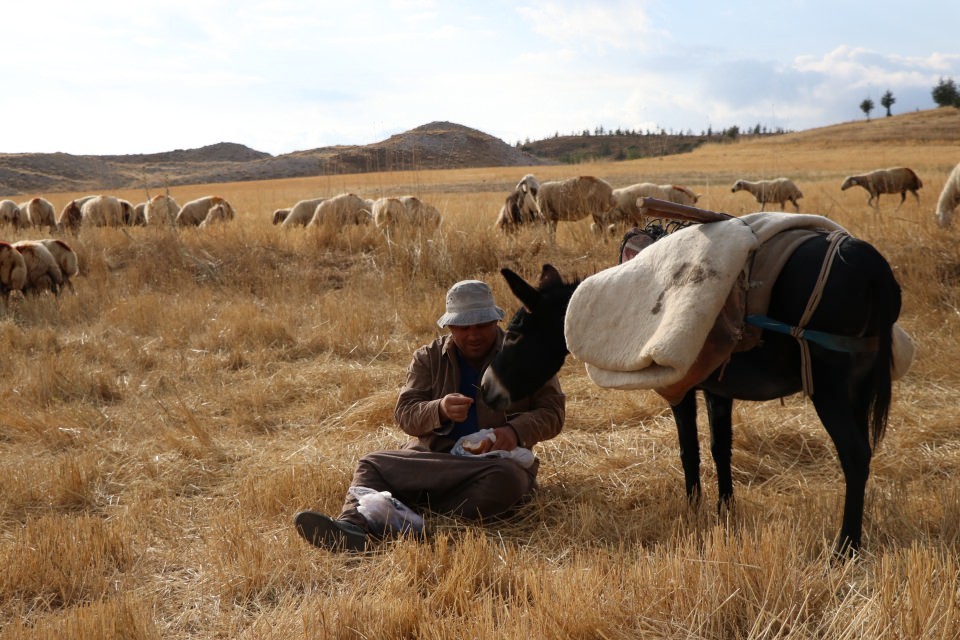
(161, 428)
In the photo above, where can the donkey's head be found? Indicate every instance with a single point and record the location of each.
(534, 347)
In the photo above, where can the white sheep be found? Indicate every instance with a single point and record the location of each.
(43, 272)
(102, 211)
(12, 214)
(40, 212)
(574, 199)
(65, 257)
(892, 180)
(300, 214)
(218, 214)
(279, 215)
(386, 210)
(520, 206)
(13, 269)
(161, 209)
(627, 209)
(779, 190)
(194, 212)
(949, 198)
(140, 214)
(343, 209)
(129, 213)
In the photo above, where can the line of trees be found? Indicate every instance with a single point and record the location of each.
(945, 94)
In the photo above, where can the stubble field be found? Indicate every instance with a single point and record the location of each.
(161, 427)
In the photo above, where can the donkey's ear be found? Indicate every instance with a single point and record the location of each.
(526, 294)
(549, 276)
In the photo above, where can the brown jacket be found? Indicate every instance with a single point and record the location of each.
(434, 372)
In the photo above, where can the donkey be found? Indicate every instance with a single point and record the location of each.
(860, 299)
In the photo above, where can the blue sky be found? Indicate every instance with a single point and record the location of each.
(118, 77)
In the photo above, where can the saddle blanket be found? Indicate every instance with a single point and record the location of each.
(642, 324)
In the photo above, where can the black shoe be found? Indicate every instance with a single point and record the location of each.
(327, 533)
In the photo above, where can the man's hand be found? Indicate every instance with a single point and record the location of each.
(506, 439)
(454, 406)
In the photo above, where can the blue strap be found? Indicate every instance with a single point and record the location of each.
(827, 340)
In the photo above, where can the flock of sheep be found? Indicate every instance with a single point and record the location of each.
(582, 196)
(351, 209)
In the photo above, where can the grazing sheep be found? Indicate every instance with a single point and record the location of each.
(70, 217)
(779, 190)
(218, 214)
(520, 206)
(627, 209)
(40, 212)
(949, 198)
(405, 211)
(12, 214)
(892, 180)
(386, 210)
(43, 272)
(279, 215)
(102, 211)
(300, 214)
(140, 214)
(13, 269)
(344, 209)
(129, 214)
(65, 257)
(194, 212)
(574, 199)
(161, 209)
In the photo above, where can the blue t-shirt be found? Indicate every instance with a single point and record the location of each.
(469, 383)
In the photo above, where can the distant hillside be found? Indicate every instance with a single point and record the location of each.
(438, 145)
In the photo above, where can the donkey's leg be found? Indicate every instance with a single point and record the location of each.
(844, 413)
(685, 415)
(720, 413)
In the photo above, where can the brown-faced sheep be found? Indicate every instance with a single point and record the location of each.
(279, 215)
(627, 210)
(194, 212)
(140, 214)
(40, 212)
(892, 180)
(779, 190)
(11, 214)
(218, 214)
(66, 259)
(300, 213)
(13, 269)
(344, 209)
(520, 206)
(130, 214)
(70, 217)
(43, 272)
(161, 210)
(949, 198)
(574, 199)
(102, 211)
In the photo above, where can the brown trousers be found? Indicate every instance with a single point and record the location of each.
(474, 488)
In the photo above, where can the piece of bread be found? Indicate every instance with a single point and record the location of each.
(478, 448)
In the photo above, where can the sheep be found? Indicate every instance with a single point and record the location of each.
(949, 198)
(12, 214)
(627, 209)
(279, 215)
(574, 199)
(13, 269)
(43, 272)
(416, 213)
(65, 257)
(161, 209)
(129, 215)
(140, 214)
(70, 217)
(346, 208)
(520, 207)
(102, 211)
(780, 190)
(300, 214)
(218, 213)
(40, 212)
(193, 213)
(892, 180)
